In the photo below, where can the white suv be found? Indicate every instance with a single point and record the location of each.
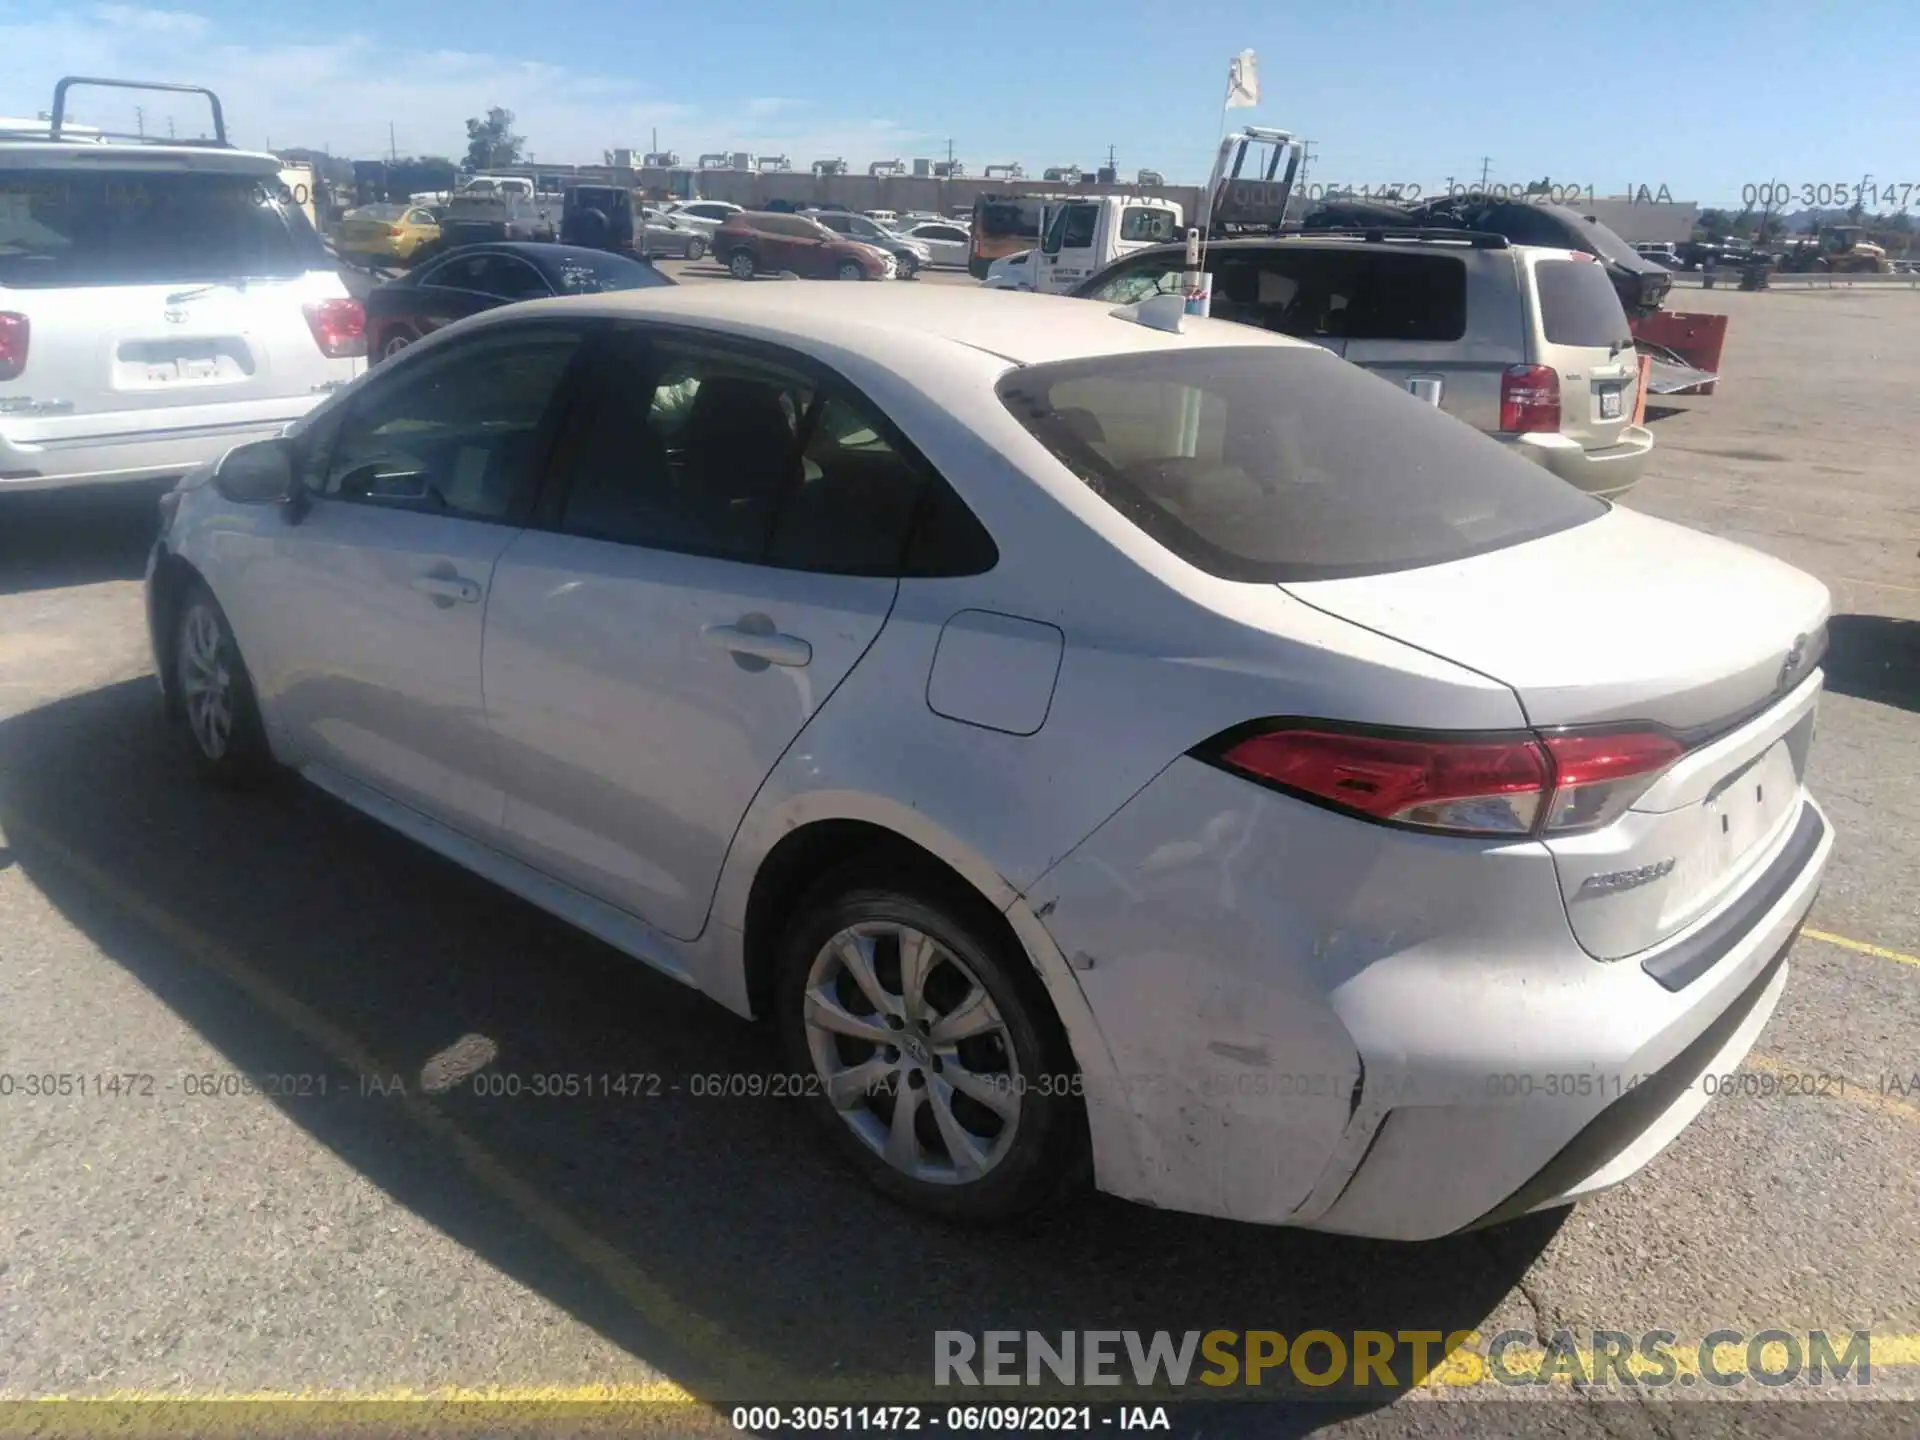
(159, 304)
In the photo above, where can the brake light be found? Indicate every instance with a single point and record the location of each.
(339, 327)
(15, 331)
(1513, 784)
(1529, 399)
(394, 230)
(1596, 777)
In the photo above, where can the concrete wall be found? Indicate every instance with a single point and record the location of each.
(1672, 221)
(857, 192)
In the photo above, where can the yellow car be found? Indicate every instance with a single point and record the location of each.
(386, 232)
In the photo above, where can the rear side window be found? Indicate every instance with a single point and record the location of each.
(1279, 464)
(1409, 297)
(1578, 304)
(103, 227)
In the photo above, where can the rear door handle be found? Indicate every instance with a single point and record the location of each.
(448, 588)
(748, 639)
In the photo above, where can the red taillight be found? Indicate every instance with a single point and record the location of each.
(1596, 777)
(394, 231)
(1529, 399)
(15, 331)
(339, 327)
(1517, 784)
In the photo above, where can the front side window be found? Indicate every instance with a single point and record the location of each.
(1072, 228)
(1282, 464)
(454, 432)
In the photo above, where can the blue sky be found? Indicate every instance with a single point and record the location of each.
(1704, 98)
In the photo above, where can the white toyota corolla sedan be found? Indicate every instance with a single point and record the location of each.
(1100, 742)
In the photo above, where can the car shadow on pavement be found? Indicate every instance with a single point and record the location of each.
(1874, 657)
(702, 1230)
(55, 538)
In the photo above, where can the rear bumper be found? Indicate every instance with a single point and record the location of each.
(146, 453)
(1611, 471)
(1317, 1022)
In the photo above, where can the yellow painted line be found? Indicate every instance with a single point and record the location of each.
(1860, 947)
(705, 1339)
(1881, 585)
(1853, 1092)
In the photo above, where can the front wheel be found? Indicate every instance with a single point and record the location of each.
(215, 707)
(850, 270)
(908, 267)
(934, 1059)
(740, 265)
(394, 343)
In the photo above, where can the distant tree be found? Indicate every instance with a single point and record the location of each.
(1900, 222)
(1715, 223)
(491, 142)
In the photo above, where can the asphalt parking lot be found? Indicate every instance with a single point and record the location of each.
(368, 1234)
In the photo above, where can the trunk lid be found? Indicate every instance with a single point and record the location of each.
(1632, 619)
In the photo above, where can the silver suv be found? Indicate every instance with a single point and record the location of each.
(1526, 343)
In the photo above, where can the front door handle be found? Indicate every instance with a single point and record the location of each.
(448, 588)
(753, 638)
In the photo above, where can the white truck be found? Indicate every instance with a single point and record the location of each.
(1252, 181)
(1083, 234)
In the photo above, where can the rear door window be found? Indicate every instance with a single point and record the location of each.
(103, 227)
(1404, 296)
(1281, 464)
(1578, 305)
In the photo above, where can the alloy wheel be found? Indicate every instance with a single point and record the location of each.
(206, 684)
(913, 1053)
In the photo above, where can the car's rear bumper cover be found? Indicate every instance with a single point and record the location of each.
(1611, 470)
(1320, 1022)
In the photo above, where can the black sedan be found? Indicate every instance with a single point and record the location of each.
(473, 278)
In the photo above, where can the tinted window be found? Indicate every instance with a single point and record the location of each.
(687, 449)
(849, 510)
(98, 227)
(1578, 304)
(453, 432)
(1072, 228)
(1408, 297)
(1272, 464)
(842, 223)
(587, 273)
(1141, 222)
(941, 232)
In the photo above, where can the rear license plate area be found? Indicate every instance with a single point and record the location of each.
(1608, 400)
(170, 363)
(1747, 807)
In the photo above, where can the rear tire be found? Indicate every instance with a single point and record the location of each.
(214, 708)
(392, 343)
(907, 268)
(695, 249)
(966, 1038)
(850, 270)
(740, 265)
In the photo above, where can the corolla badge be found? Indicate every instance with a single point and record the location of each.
(175, 315)
(1615, 880)
(1795, 654)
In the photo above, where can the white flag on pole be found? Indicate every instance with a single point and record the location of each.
(1243, 81)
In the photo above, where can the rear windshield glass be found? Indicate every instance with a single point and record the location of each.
(99, 227)
(1578, 304)
(1283, 464)
(377, 212)
(584, 273)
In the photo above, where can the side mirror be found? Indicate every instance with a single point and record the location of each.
(257, 474)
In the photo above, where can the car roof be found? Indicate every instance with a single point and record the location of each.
(905, 324)
(110, 155)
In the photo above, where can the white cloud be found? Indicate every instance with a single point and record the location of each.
(343, 90)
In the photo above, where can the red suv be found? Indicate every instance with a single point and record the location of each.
(756, 242)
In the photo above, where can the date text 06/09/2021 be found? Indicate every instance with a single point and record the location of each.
(961, 1419)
